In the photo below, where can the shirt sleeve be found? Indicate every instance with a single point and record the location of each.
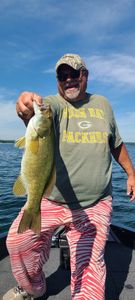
(115, 138)
(53, 102)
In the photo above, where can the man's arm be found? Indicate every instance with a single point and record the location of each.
(121, 155)
(24, 105)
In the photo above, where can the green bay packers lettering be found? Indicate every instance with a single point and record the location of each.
(81, 113)
(96, 113)
(84, 137)
(74, 113)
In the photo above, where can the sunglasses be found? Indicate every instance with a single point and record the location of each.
(63, 76)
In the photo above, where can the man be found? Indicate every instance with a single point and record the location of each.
(86, 135)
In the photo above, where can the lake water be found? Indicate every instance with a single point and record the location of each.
(10, 158)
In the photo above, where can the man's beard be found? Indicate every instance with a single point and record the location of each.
(72, 94)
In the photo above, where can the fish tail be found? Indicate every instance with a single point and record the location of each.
(30, 221)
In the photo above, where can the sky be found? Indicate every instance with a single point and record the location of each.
(34, 34)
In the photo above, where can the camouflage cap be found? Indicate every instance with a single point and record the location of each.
(73, 60)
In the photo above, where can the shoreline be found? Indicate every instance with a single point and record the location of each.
(13, 141)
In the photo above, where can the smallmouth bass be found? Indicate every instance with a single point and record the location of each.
(37, 175)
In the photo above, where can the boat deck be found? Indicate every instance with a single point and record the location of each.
(120, 283)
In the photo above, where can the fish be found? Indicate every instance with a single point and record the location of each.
(37, 175)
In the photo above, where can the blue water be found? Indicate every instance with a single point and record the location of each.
(10, 158)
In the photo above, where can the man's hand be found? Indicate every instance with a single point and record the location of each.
(121, 156)
(131, 187)
(24, 105)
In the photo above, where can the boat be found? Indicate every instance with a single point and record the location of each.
(119, 257)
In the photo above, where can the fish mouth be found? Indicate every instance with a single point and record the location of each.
(44, 107)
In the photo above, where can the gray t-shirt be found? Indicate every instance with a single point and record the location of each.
(84, 131)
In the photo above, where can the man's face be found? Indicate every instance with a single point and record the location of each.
(72, 84)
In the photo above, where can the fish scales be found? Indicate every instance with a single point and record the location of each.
(37, 175)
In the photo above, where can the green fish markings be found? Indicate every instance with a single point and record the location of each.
(37, 176)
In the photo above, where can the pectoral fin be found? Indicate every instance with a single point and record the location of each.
(34, 146)
(19, 188)
(20, 143)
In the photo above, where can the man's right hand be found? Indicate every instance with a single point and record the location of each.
(24, 105)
